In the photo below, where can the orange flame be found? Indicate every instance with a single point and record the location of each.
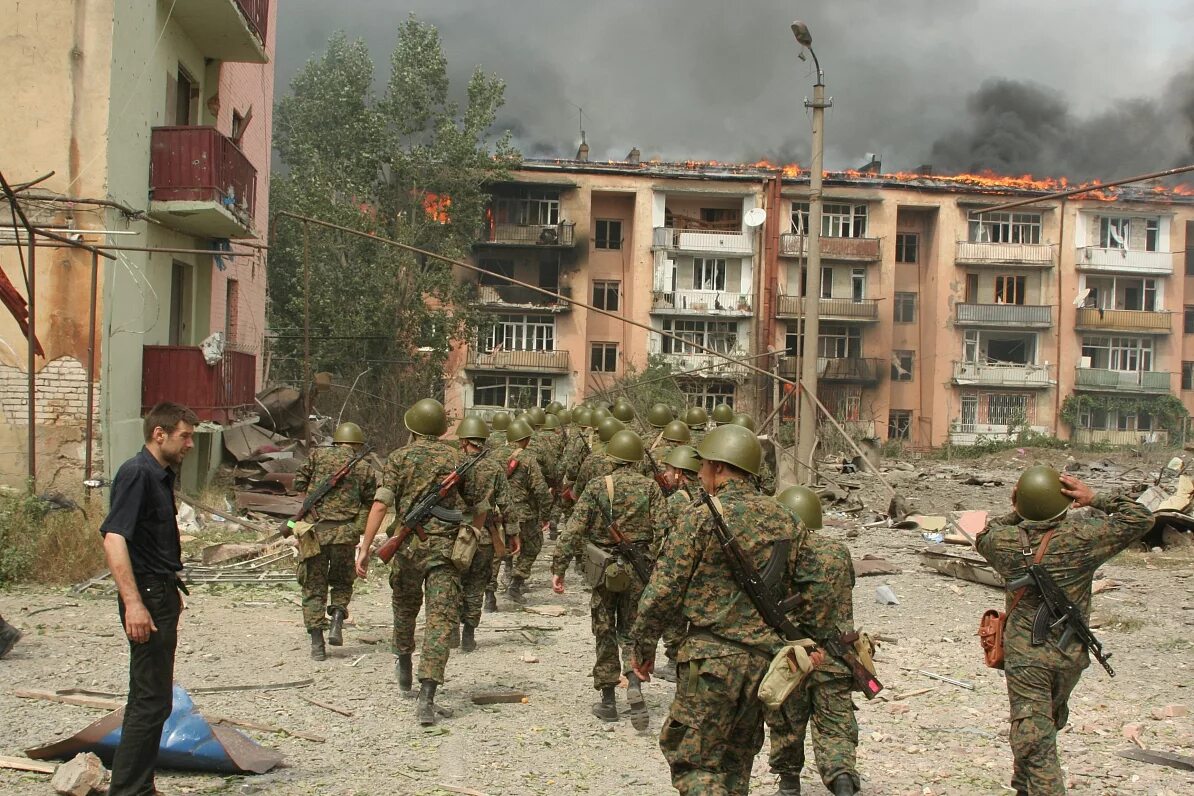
(437, 207)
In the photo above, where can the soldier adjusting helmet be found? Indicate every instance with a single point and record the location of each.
(426, 417)
(804, 503)
(608, 427)
(473, 429)
(1038, 494)
(683, 457)
(659, 415)
(518, 431)
(723, 413)
(677, 431)
(500, 421)
(744, 420)
(350, 433)
(733, 445)
(696, 416)
(625, 446)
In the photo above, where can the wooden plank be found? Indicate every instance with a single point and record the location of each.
(498, 697)
(326, 706)
(218, 689)
(1159, 758)
(22, 764)
(274, 728)
(69, 699)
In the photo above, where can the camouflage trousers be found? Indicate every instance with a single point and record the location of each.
(613, 615)
(532, 545)
(422, 573)
(825, 698)
(1039, 708)
(473, 584)
(714, 728)
(331, 569)
(512, 529)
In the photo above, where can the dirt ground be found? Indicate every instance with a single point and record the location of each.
(947, 740)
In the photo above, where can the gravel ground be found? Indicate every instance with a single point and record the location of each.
(944, 741)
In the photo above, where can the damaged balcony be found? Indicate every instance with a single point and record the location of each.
(701, 302)
(1104, 380)
(200, 183)
(833, 309)
(1124, 261)
(793, 244)
(219, 393)
(226, 30)
(702, 241)
(975, 253)
(547, 236)
(856, 370)
(526, 361)
(1023, 316)
(1141, 321)
(1001, 374)
(509, 297)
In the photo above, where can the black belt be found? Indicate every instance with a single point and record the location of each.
(172, 580)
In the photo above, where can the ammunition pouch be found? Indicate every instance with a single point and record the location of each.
(308, 545)
(605, 569)
(790, 667)
(464, 548)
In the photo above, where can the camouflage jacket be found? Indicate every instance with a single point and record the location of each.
(530, 497)
(692, 581)
(492, 470)
(659, 448)
(765, 480)
(344, 503)
(638, 507)
(574, 453)
(543, 448)
(822, 576)
(420, 466)
(497, 439)
(1078, 548)
(681, 500)
(595, 465)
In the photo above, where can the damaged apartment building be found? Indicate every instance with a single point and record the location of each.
(939, 322)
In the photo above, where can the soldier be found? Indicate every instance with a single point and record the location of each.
(327, 565)
(1040, 677)
(575, 451)
(9, 636)
(473, 434)
(553, 441)
(722, 413)
(637, 506)
(715, 725)
(683, 464)
(497, 429)
(823, 579)
(596, 464)
(423, 568)
(765, 482)
(530, 499)
(696, 418)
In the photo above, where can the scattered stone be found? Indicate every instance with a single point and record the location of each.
(529, 658)
(884, 595)
(80, 776)
(1171, 712)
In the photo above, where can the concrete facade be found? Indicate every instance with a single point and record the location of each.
(937, 324)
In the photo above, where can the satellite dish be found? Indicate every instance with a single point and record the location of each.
(755, 217)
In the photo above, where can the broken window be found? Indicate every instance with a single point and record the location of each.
(901, 365)
(1114, 233)
(512, 391)
(603, 358)
(826, 282)
(1009, 290)
(1006, 228)
(605, 295)
(530, 207)
(520, 333)
(1188, 320)
(708, 274)
(497, 272)
(609, 234)
(839, 341)
(837, 220)
(721, 218)
(800, 217)
(721, 336)
(1005, 409)
(707, 392)
(899, 424)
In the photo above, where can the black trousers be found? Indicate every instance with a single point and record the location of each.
(151, 685)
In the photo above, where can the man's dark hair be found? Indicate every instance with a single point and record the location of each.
(167, 415)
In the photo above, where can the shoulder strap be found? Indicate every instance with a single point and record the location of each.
(609, 491)
(1036, 559)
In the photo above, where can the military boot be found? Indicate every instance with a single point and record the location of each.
(336, 629)
(318, 651)
(403, 670)
(843, 785)
(667, 672)
(490, 604)
(789, 785)
(607, 708)
(640, 719)
(468, 642)
(454, 637)
(9, 636)
(515, 592)
(425, 708)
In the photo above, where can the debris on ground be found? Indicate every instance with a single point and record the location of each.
(82, 775)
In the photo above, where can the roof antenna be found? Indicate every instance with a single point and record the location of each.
(582, 153)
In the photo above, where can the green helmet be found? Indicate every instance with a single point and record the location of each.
(518, 431)
(583, 416)
(723, 413)
(625, 446)
(623, 411)
(1038, 494)
(733, 445)
(552, 422)
(659, 415)
(744, 420)
(500, 421)
(599, 414)
(608, 427)
(696, 416)
(683, 457)
(536, 417)
(426, 417)
(553, 408)
(804, 503)
(565, 416)
(472, 428)
(349, 432)
(677, 431)
(521, 414)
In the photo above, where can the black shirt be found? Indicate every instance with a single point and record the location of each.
(142, 511)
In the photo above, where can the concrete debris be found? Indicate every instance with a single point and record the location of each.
(81, 775)
(873, 565)
(1171, 712)
(964, 567)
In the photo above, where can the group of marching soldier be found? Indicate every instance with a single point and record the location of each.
(674, 522)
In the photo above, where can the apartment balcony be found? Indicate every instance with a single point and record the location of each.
(831, 309)
(539, 236)
(1019, 316)
(708, 365)
(527, 361)
(1139, 321)
(200, 183)
(703, 241)
(1040, 255)
(973, 433)
(1124, 261)
(226, 30)
(1098, 436)
(701, 302)
(857, 370)
(220, 392)
(1003, 374)
(516, 297)
(863, 250)
(1103, 380)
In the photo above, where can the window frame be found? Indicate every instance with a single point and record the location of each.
(905, 241)
(605, 288)
(511, 386)
(606, 349)
(904, 307)
(903, 360)
(600, 238)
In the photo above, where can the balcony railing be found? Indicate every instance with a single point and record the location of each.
(1001, 374)
(218, 392)
(1121, 380)
(702, 240)
(226, 30)
(701, 302)
(793, 244)
(708, 365)
(843, 309)
(1124, 320)
(1093, 436)
(507, 296)
(550, 361)
(1124, 261)
(546, 235)
(1019, 315)
(971, 253)
(862, 370)
(211, 179)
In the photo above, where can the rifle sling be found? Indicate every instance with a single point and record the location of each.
(1036, 559)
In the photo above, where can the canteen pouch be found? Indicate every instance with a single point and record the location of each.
(464, 548)
(593, 564)
(993, 623)
(308, 545)
(617, 576)
(790, 667)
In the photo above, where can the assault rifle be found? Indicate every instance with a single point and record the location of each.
(660, 479)
(313, 499)
(761, 589)
(1057, 610)
(426, 507)
(626, 549)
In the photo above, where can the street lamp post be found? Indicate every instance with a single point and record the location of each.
(812, 292)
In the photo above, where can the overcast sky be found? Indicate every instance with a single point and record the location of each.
(1098, 88)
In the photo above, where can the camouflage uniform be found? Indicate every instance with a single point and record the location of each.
(543, 445)
(715, 725)
(1040, 679)
(497, 439)
(595, 466)
(641, 512)
(336, 530)
(823, 578)
(574, 453)
(527, 509)
(475, 580)
(678, 503)
(422, 570)
(765, 480)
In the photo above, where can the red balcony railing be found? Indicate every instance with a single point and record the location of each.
(257, 14)
(199, 164)
(216, 392)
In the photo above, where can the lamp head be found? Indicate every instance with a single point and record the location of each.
(801, 32)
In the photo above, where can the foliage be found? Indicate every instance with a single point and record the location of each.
(645, 388)
(1167, 410)
(43, 543)
(410, 165)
